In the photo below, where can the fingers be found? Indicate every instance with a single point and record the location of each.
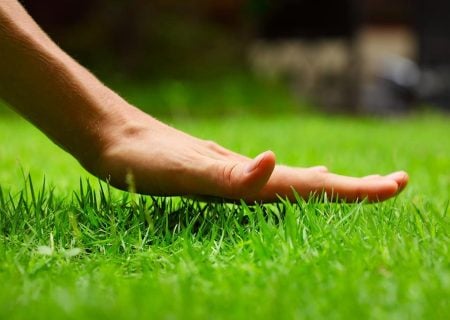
(320, 168)
(372, 176)
(401, 177)
(315, 181)
(305, 182)
(357, 189)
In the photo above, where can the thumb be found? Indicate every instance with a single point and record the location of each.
(236, 180)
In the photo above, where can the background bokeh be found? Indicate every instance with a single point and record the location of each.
(372, 56)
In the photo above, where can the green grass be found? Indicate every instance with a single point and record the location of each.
(72, 248)
(235, 94)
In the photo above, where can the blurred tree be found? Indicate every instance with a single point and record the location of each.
(147, 38)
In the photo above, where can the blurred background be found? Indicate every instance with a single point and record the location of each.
(179, 58)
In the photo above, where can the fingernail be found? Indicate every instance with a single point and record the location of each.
(254, 163)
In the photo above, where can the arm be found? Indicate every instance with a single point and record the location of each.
(49, 88)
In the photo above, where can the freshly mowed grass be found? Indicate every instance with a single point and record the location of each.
(74, 248)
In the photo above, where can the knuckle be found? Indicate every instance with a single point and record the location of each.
(228, 182)
(211, 144)
(322, 182)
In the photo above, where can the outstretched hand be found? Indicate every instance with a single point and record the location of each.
(164, 161)
(115, 141)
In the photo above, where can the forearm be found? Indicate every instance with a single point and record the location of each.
(50, 89)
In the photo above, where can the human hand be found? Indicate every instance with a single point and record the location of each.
(164, 161)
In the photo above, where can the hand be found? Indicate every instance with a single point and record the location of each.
(164, 161)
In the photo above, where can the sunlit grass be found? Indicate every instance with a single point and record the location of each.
(74, 248)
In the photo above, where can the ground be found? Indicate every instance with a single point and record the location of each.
(72, 248)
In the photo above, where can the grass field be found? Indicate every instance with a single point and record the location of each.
(74, 249)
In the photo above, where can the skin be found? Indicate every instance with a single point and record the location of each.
(123, 145)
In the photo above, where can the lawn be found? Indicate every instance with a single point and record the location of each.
(75, 249)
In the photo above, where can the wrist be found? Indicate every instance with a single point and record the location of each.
(118, 126)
